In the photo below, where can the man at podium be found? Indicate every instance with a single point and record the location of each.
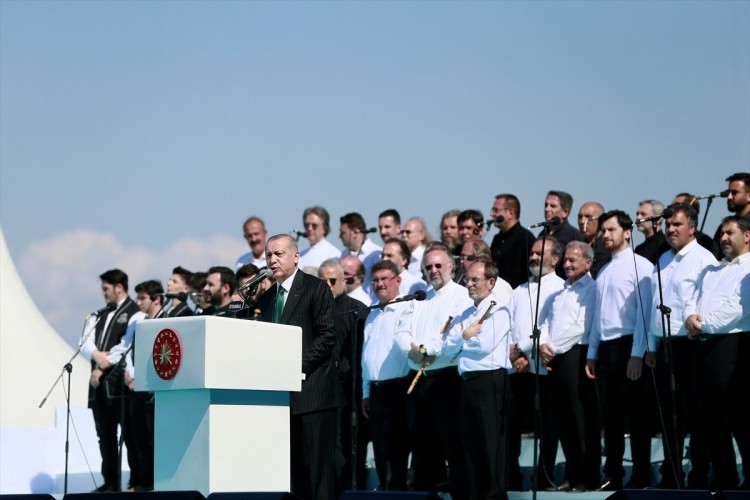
(302, 300)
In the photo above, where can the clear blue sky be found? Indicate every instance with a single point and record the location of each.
(141, 134)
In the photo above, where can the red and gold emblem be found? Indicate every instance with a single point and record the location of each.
(167, 354)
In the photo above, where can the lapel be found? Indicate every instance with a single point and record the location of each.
(295, 293)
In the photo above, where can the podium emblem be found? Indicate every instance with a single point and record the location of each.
(167, 354)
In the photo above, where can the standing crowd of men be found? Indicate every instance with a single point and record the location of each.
(440, 350)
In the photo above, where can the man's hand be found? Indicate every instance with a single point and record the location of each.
(548, 353)
(650, 359)
(635, 366)
(694, 325)
(472, 330)
(366, 407)
(129, 381)
(521, 364)
(96, 377)
(590, 369)
(100, 357)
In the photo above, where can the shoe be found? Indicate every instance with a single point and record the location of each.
(611, 484)
(578, 488)
(636, 484)
(105, 488)
(564, 486)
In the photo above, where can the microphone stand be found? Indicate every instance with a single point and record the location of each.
(708, 207)
(354, 412)
(68, 368)
(536, 333)
(672, 443)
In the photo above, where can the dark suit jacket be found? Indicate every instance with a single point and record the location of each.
(309, 305)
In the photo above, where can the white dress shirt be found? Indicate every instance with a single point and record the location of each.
(502, 291)
(381, 357)
(569, 321)
(623, 286)
(249, 258)
(415, 262)
(360, 295)
(523, 307)
(679, 277)
(425, 324)
(410, 283)
(368, 254)
(489, 349)
(88, 339)
(724, 297)
(315, 255)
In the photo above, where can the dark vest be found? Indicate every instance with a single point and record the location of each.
(105, 340)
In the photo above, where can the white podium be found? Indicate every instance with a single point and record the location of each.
(222, 401)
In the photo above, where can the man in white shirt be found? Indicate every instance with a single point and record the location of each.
(254, 231)
(397, 252)
(670, 350)
(354, 275)
(317, 223)
(721, 320)
(523, 379)
(616, 347)
(353, 233)
(389, 224)
(434, 400)
(385, 381)
(479, 338)
(565, 335)
(416, 237)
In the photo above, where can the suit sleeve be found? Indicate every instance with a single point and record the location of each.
(323, 328)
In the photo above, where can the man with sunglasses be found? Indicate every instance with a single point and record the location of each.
(353, 234)
(385, 381)
(347, 357)
(416, 237)
(354, 275)
(433, 402)
(317, 222)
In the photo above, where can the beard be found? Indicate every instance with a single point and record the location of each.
(534, 270)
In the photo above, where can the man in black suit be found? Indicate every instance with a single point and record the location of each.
(305, 301)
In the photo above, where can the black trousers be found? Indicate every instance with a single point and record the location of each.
(624, 409)
(576, 407)
(344, 447)
(484, 417)
(434, 418)
(715, 361)
(521, 420)
(389, 423)
(109, 408)
(140, 419)
(313, 454)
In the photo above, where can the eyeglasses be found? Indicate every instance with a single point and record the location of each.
(470, 258)
(474, 281)
(332, 281)
(312, 225)
(429, 267)
(375, 281)
(407, 232)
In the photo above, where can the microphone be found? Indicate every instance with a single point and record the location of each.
(299, 233)
(253, 282)
(497, 220)
(182, 296)
(107, 308)
(418, 295)
(553, 222)
(371, 230)
(666, 214)
(723, 194)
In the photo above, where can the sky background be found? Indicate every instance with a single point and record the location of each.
(140, 135)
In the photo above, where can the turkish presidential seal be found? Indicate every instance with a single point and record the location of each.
(167, 354)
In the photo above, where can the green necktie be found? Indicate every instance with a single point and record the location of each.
(279, 305)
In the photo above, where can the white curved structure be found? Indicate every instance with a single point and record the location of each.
(32, 356)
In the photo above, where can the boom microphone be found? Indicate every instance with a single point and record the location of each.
(553, 222)
(666, 214)
(723, 194)
(182, 296)
(107, 308)
(497, 220)
(250, 284)
(371, 230)
(418, 295)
